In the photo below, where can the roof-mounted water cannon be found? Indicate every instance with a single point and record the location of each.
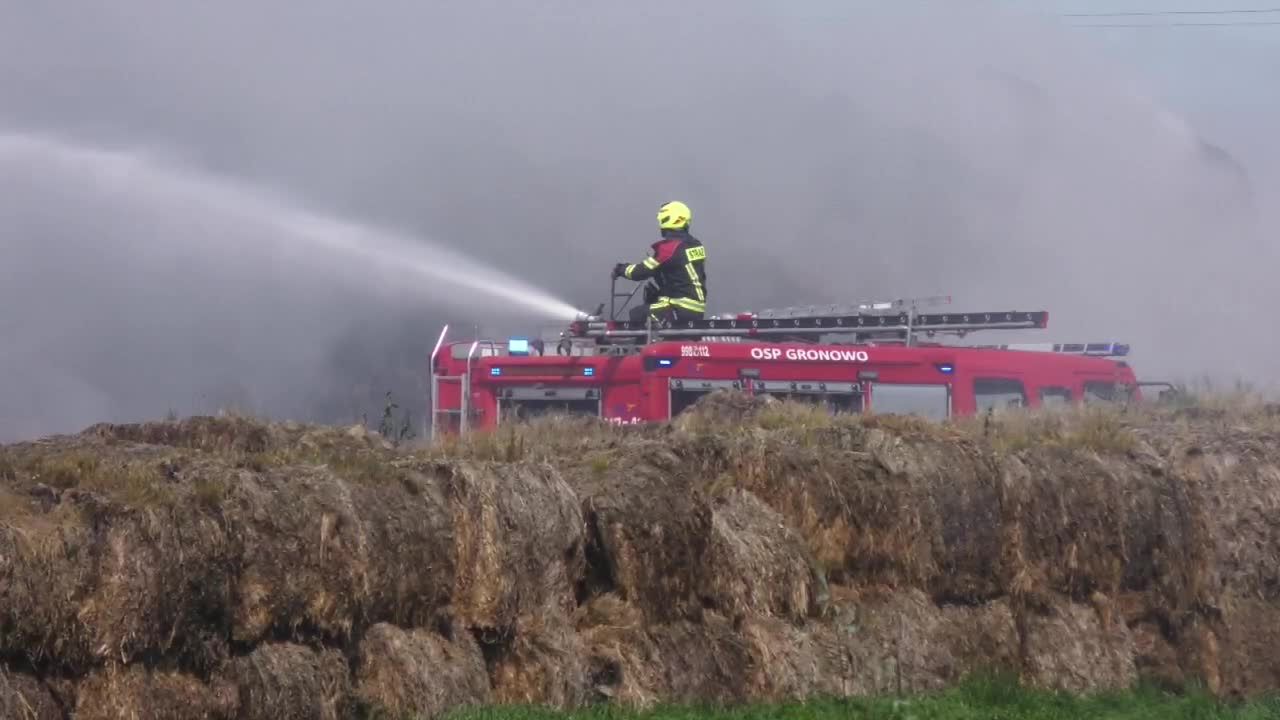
(583, 320)
(596, 316)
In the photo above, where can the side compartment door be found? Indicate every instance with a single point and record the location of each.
(520, 402)
(684, 392)
(835, 397)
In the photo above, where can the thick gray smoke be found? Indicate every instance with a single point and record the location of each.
(829, 155)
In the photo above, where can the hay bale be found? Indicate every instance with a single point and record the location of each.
(861, 522)
(136, 693)
(934, 522)
(784, 661)
(1246, 647)
(420, 673)
(517, 541)
(649, 532)
(1156, 659)
(162, 573)
(884, 643)
(305, 553)
(623, 664)
(1072, 509)
(1168, 546)
(758, 658)
(46, 567)
(705, 662)
(283, 681)
(324, 555)
(409, 568)
(209, 434)
(542, 663)
(1240, 492)
(114, 574)
(755, 563)
(23, 697)
(1069, 648)
(721, 409)
(1226, 631)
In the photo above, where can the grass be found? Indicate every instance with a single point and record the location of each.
(975, 700)
(1101, 429)
(137, 482)
(550, 438)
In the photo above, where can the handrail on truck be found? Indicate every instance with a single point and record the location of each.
(435, 383)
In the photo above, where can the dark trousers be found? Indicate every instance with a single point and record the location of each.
(670, 313)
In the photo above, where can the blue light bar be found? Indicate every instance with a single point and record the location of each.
(588, 371)
(946, 368)
(496, 371)
(1116, 349)
(1100, 349)
(665, 362)
(518, 346)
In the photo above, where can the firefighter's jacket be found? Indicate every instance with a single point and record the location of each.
(678, 267)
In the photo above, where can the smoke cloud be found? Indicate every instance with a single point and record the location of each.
(831, 152)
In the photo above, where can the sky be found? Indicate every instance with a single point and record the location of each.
(194, 196)
(1216, 76)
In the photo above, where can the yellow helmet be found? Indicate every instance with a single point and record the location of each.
(674, 215)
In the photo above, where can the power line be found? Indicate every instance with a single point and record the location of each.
(1154, 13)
(1178, 24)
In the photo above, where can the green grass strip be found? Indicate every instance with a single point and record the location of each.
(975, 700)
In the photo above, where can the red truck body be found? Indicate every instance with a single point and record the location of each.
(663, 378)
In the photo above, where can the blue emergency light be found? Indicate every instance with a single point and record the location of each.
(495, 371)
(518, 346)
(946, 368)
(588, 371)
(665, 362)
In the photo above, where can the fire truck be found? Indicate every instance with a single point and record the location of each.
(883, 357)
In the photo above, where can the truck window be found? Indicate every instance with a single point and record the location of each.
(1099, 391)
(930, 401)
(1055, 396)
(998, 394)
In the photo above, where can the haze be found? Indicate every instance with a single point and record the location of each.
(872, 151)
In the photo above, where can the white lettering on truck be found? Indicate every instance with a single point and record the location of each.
(815, 355)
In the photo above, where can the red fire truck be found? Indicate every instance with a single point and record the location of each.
(880, 357)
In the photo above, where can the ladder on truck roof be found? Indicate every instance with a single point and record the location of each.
(1103, 349)
(900, 326)
(869, 306)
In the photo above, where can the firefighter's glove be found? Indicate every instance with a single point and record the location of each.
(620, 270)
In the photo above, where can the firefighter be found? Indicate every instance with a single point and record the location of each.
(677, 267)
